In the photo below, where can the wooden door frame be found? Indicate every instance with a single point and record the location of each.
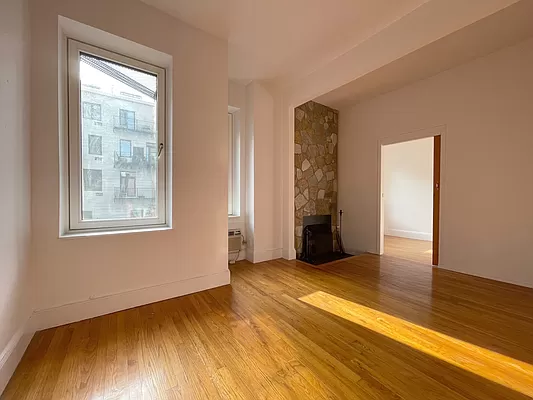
(437, 194)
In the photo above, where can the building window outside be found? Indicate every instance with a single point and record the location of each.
(102, 195)
(92, 180)
(151, 153)
(127, 119)
(95, 145)
(138, 155)
(92, 111)
(125, 148)
(128, 184)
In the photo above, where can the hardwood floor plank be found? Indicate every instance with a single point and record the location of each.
(133, 346)
(50, 368)
(454, 316)
(66, 387)
(271, 362)
(88, 370)
(368, 327)
(156, 379)
(340, 347)
(409, 249)
(28, 365)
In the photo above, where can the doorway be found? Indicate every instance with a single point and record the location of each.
(409, 220)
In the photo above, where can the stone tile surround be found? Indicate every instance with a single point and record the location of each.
(315, 164)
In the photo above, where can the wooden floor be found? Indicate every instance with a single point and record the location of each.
(364, 328)
(408, 249)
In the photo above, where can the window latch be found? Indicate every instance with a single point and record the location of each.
(161, 146)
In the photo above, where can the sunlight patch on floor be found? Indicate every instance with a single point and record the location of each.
(506, 371)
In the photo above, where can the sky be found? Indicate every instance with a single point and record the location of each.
(92, 76)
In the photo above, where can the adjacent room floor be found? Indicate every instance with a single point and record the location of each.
(364, 328)
(408, 249)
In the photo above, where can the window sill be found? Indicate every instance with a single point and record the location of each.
(69, 235)
(236, 219)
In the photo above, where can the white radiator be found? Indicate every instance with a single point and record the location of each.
(234, 241)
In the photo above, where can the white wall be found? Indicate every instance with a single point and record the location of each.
(265, 244)
(250, 174)
(408, 189)
(263, 199)
(14, 181)
(486, 213)
(80, 277)
(433, 20)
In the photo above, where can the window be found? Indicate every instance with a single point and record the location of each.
(234, 168)
(231, 164)
(128, 184)
(92, 111)
(138, 154)
(125, 148)
(151, 153)
(95, 145)
(127, 119)
(102, 194)
(92, 180)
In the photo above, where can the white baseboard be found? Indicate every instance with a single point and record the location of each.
(264, 255)
(409, 234)
(354, 251)
(289, 254)
(65, 314)
(12, 354)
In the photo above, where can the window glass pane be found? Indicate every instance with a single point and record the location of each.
(95, 145)
(125, 148)
(151, 153)
(231, 166)
(119, 124)
(96, 112)
(92, 180)
(92, 111)
(127, 119)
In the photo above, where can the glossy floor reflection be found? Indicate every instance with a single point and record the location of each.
(498, 368)
(408, 249)
(365, 328)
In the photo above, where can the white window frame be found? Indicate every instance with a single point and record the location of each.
(75, 223)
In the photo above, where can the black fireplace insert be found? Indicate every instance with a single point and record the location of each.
(318, 241)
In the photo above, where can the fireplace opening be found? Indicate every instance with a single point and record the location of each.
(318, 241)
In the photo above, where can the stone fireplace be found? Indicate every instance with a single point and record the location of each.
(315, 165)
